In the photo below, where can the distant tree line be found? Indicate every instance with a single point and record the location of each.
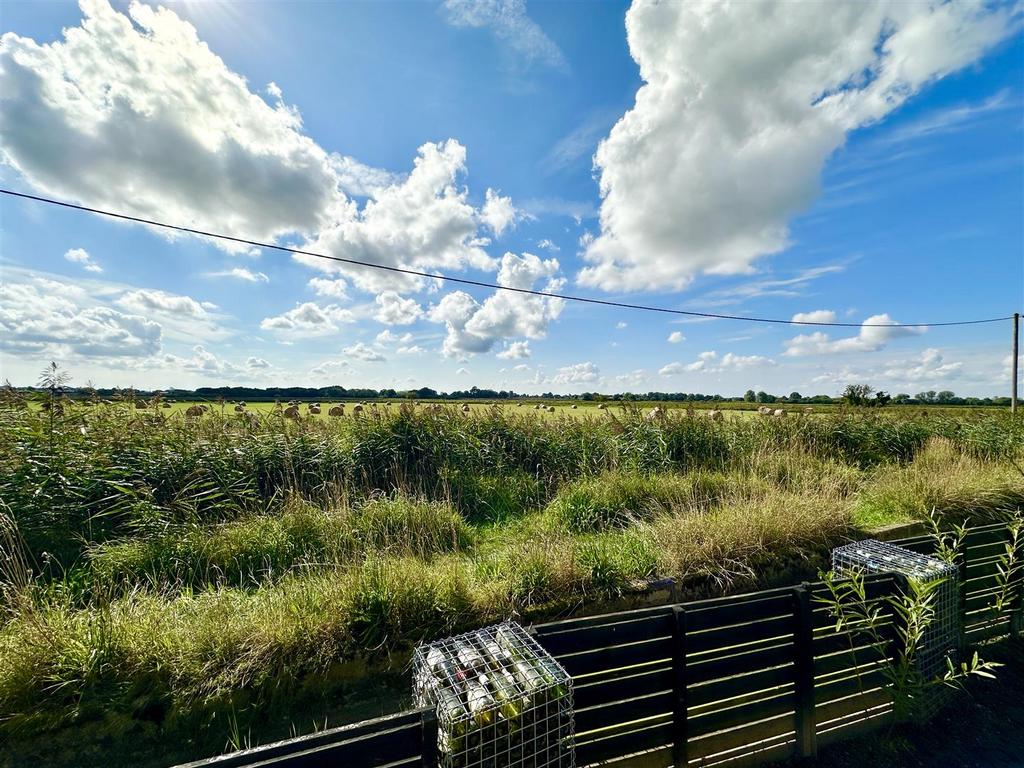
(859, 395)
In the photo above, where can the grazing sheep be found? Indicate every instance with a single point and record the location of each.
(194, 411)
(336, 410)
(779, 413)
(716, 415)
(291, 412)
(314, 409)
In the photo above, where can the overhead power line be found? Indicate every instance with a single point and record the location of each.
(481, 283)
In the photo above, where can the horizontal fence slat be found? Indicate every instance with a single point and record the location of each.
(617, 657)
(367, 735)
(764, 752)
(626, 742)
(740, 663)
(738, 611)
(699, 643)
(860, 702)
(732, 687)
(732, 717)
(603, 635)
(621, 712)
(622, 686)
(752, 733)
(565, 625)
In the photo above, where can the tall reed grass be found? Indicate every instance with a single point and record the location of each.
(178, 575)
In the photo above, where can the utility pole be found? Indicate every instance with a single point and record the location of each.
(1013, 361)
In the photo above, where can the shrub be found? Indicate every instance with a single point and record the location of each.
(944, 478)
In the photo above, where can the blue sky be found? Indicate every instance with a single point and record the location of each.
(857, 163)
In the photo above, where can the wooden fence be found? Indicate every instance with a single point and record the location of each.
(731, 681)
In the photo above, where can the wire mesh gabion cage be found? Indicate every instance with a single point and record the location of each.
(501, 700)
(940, 638)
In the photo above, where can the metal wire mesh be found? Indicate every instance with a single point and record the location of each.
(940, 638)
(501, 700)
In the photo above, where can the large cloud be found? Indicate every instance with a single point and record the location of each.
(424, 223)
(135, 113)
(475, 327)
(742, 104)
(56, 320)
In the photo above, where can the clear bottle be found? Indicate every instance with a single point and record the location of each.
(510, 703)
(480, 701)
(468, 656)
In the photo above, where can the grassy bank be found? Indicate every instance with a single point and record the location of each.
(190, 581)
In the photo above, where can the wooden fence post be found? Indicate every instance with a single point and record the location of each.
(429, 734)
(680, 736)
(803, 638)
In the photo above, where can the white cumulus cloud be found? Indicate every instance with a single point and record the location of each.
(133, 112)
(815, 316)
(741, 105)
(873, 335)
(580, 373)
(393, 309)
(676, 337)
(515, 351)
(423, 223)
(81, 256)
(361, 351)
(308, 319)
(475, 327)
(498, 213)
(50, 320)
